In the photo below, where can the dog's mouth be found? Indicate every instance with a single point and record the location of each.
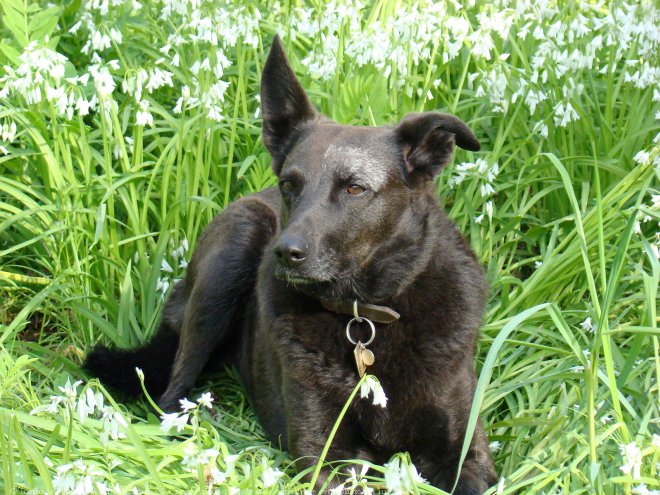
(329, 287)
(295, 279)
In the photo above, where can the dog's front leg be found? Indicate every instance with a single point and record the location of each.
(440, 467)
(475, 478)
(310, 419)
(478, 472)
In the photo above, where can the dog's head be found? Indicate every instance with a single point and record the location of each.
(354, 199)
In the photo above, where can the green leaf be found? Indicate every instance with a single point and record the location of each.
(15, 19)
(43, 23)
(10, 52)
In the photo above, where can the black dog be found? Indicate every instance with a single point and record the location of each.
(271, 284)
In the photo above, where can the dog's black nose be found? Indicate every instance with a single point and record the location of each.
(291, 250)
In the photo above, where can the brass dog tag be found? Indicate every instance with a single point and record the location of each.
(367, 357)
(363, 358)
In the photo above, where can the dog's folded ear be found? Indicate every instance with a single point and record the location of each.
(427, 141)
(284, 104)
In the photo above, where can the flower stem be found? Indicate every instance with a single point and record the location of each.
(333, 432)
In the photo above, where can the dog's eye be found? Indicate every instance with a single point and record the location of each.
(355, 189)
(287, 186)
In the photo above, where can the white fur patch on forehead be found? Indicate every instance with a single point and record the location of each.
(358, 163)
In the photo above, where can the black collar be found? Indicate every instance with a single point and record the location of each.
(380, 314)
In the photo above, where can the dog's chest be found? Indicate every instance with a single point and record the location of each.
(325, 334)
(314, 351)
(402, 361)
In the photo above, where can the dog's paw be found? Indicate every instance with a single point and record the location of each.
(469, 484)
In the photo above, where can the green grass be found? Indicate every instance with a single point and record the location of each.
(91, 205)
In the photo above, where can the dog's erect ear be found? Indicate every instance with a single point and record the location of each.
(427, 141)
(284, 104)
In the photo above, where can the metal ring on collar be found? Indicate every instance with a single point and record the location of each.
(348, 331)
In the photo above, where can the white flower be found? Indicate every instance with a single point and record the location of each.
(140, 373)
(70, 390)
(144, 116)
(655, 200)
(230, 462)
(52, 407)
(656, 441)
(371, 384)
(116, 36)
(165, 266)
(215, 476)
(482, 172)
(178, 108)
(162, 285)
(541, 129)
(215, 113)
(8, 131)
(489, 209)
(400, 479)
(173, 420)
(355, 478)
(194, 457)
(642, 157)
(78, 478)
(179, 253)
(269, 476)
(486, 190)
(113, 425)
(338, 490)
(533, 98)
(495, 446)
(83, 106)
(564, 114)
(495, 85)
(100, 41)
(205, 400)
(159, 78)
(587, 325)
(105, 84)
(88, 403)
(642, 489)
(632, 457)
(187, 405)
(482, 44)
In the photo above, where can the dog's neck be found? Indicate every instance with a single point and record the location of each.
(418, 245)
